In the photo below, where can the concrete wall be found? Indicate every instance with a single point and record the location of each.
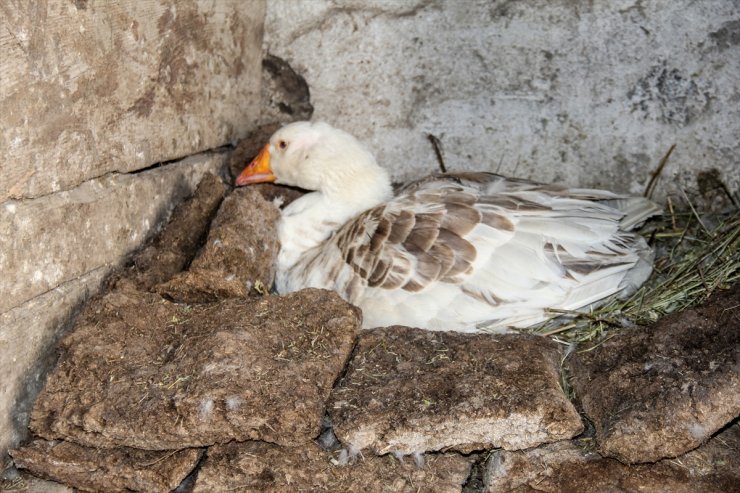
(584, 92)
(92, 94)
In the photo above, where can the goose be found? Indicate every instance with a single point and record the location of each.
(467, 252)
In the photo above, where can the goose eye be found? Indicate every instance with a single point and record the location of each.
(282, 144)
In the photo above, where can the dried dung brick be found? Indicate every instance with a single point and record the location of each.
(176, 245)
(410, 390)
(139, 371)
(572, 466)
(278, 194)
(91, 469)
(661, 391)
(203, 286)
(239, 254)
(267, 468)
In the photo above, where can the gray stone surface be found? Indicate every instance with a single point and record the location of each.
(572, 466)
(265, 468)
(89, 91)
(90, 87)
(411, 390)
(61, 236)
(138, 371)
(586, 93)
(657, 392)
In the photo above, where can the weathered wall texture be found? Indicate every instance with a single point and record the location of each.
(589, 93)
(60, 236)
(90, 87)
(90, 91)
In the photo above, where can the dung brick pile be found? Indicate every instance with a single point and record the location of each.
(661, 391)
(412, 391)
(199, 375)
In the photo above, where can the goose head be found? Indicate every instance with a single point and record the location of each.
(318, 157)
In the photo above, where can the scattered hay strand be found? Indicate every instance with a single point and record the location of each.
(656, 174)
(437, 145)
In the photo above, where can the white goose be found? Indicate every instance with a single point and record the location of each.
(460, 251)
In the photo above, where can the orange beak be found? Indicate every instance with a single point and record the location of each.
(258, 171)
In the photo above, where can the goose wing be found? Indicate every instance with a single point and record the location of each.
(508, 248)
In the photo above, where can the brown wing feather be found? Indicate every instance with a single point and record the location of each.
(419, 237)
(424, 232)
(460, 218)
(415, 240)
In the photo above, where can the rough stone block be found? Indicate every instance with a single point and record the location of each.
(90, 469)
(410, 390)
(91, 87)
(661, 391)
(573, 466)
(62, 236)
(138, 371)
(240, 253)
(266, 468)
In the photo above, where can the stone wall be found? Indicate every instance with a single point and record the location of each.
(587, 93)
(92, 95)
